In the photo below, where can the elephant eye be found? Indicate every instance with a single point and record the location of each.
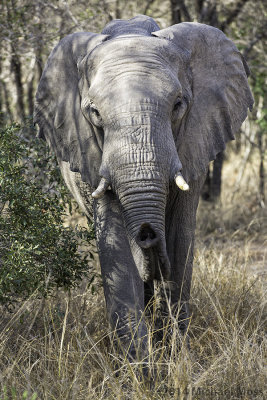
(177, 104)
(91, 112)
(179, 108)
(95, 116)
(95, 111)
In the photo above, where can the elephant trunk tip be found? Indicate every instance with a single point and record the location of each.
(147, 237)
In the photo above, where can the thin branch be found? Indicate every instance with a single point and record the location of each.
(118, 10)
(107, 10)
(243, 132)
(185, 11)
(261, 35)
(234, 14)
(50, 5)
(244, 161)
(210, 16)
(69, 13)
(147, 6)
(199, 6)
(178, 8)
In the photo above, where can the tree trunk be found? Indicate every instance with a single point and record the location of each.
(216, 181)
(16, 69)
(30, 96)
(175, 12)
(7, 103)
(1, 97)
(261, 169)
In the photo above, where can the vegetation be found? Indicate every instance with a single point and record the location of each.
(60, 346)
(37, 253)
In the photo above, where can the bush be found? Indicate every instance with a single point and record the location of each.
(37, 254)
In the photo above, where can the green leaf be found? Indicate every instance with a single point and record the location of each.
(35, 245)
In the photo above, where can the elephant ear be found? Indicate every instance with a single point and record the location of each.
(220, 94)
(58, 109)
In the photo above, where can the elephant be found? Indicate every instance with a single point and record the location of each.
(134, 115)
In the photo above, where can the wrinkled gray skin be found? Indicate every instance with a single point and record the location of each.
(136, 105)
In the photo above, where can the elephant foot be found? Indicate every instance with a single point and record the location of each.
(171, 321)
(168, 334)
(132, 348)
(132, 355)
(130, 336)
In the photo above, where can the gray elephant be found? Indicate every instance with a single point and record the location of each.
(135, 114)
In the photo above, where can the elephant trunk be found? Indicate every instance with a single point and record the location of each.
(143, 205)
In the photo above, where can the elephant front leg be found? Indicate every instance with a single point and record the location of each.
(123, 288)
(180, 233)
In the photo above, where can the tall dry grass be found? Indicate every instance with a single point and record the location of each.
(61, 348)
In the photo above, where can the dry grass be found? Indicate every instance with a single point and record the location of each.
(61, 348)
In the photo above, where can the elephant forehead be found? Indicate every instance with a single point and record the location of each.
(133, 87)
(140, 49)
(135, 66)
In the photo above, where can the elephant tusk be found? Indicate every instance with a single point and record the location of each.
(102, 187)
(180, 182)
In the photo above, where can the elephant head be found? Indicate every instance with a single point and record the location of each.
(135, 108)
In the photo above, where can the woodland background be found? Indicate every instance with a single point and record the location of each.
(54, 339)
(30, 29)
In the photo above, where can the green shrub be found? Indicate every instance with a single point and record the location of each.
(37, 254)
